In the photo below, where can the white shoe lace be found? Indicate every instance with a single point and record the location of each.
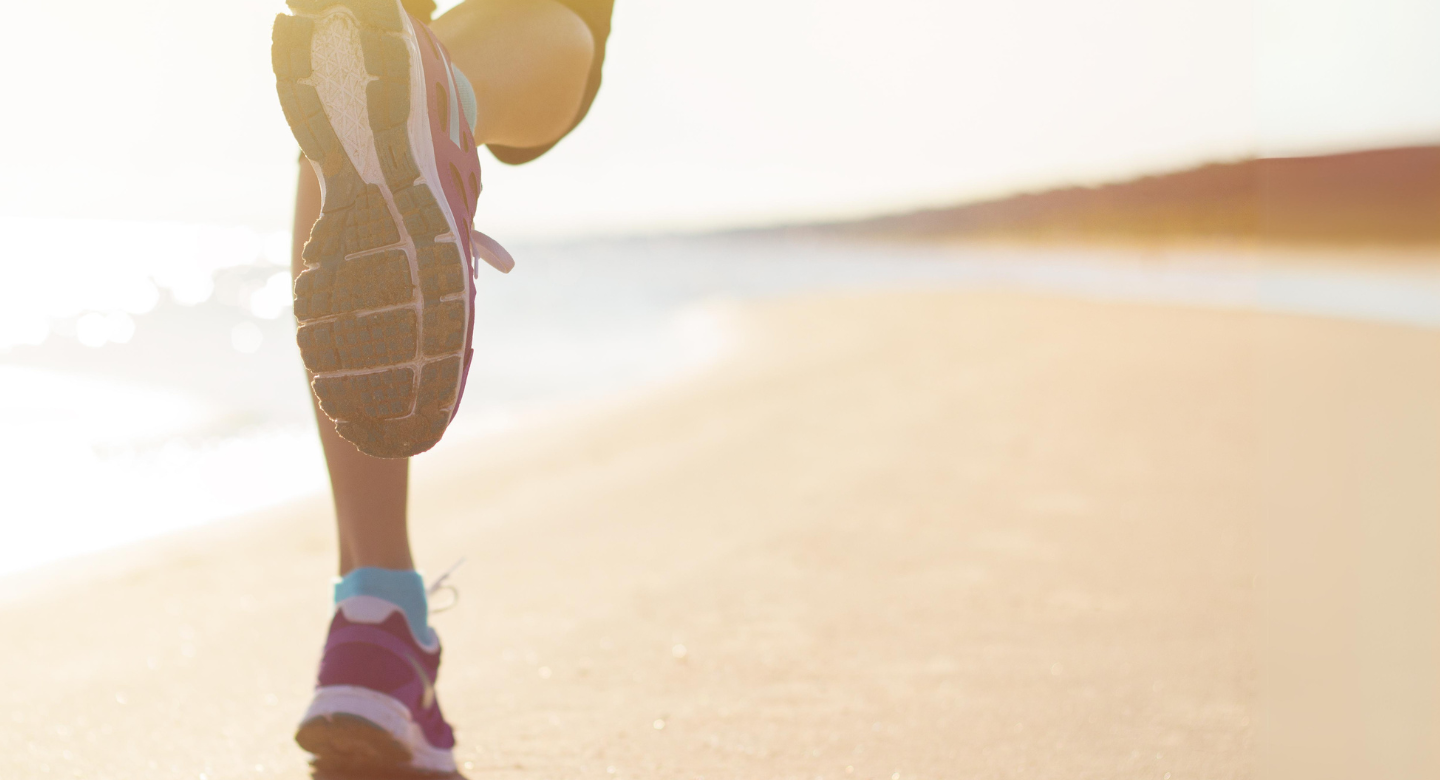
(491, 252)
(439, 583)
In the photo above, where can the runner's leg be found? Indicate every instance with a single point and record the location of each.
(528, 61)
(536, 67)
(369, 493)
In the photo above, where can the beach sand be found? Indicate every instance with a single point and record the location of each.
(925, 534)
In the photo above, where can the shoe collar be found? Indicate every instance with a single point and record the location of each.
(374, 610)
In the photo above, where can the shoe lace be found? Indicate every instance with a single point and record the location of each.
(439, 584)
(491, 252)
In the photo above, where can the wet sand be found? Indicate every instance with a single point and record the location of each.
(925, 534)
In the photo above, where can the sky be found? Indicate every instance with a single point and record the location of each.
(747, 112)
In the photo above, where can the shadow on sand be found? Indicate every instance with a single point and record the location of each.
(319, 773)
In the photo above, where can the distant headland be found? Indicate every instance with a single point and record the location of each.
(1382, 196)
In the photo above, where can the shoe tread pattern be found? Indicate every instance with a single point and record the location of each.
(349, 745)
(383, 338)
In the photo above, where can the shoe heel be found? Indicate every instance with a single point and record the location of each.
(352, 729)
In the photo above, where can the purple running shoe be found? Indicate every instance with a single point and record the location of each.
(375, 709)
(386, 303)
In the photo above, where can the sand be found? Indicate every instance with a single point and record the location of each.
(928, 534)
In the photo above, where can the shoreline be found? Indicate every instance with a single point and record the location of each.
(1333, 284)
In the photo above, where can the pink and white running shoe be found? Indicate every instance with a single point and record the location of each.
(375, 713)
(386, 303)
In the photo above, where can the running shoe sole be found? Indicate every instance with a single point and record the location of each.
(350, 744)
(385, 303)
(352, 730)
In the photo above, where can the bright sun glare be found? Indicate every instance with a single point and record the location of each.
(761, 112)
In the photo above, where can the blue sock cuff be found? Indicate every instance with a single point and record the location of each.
(405, 589)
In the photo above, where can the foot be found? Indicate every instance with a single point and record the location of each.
(375, 711)
(386, 302)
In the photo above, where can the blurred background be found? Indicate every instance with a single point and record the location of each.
(149, 211)
(1263, 155)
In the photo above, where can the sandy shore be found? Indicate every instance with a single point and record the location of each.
(939, 535)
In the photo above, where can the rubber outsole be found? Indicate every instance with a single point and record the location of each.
(350, 746)
(381, 304)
